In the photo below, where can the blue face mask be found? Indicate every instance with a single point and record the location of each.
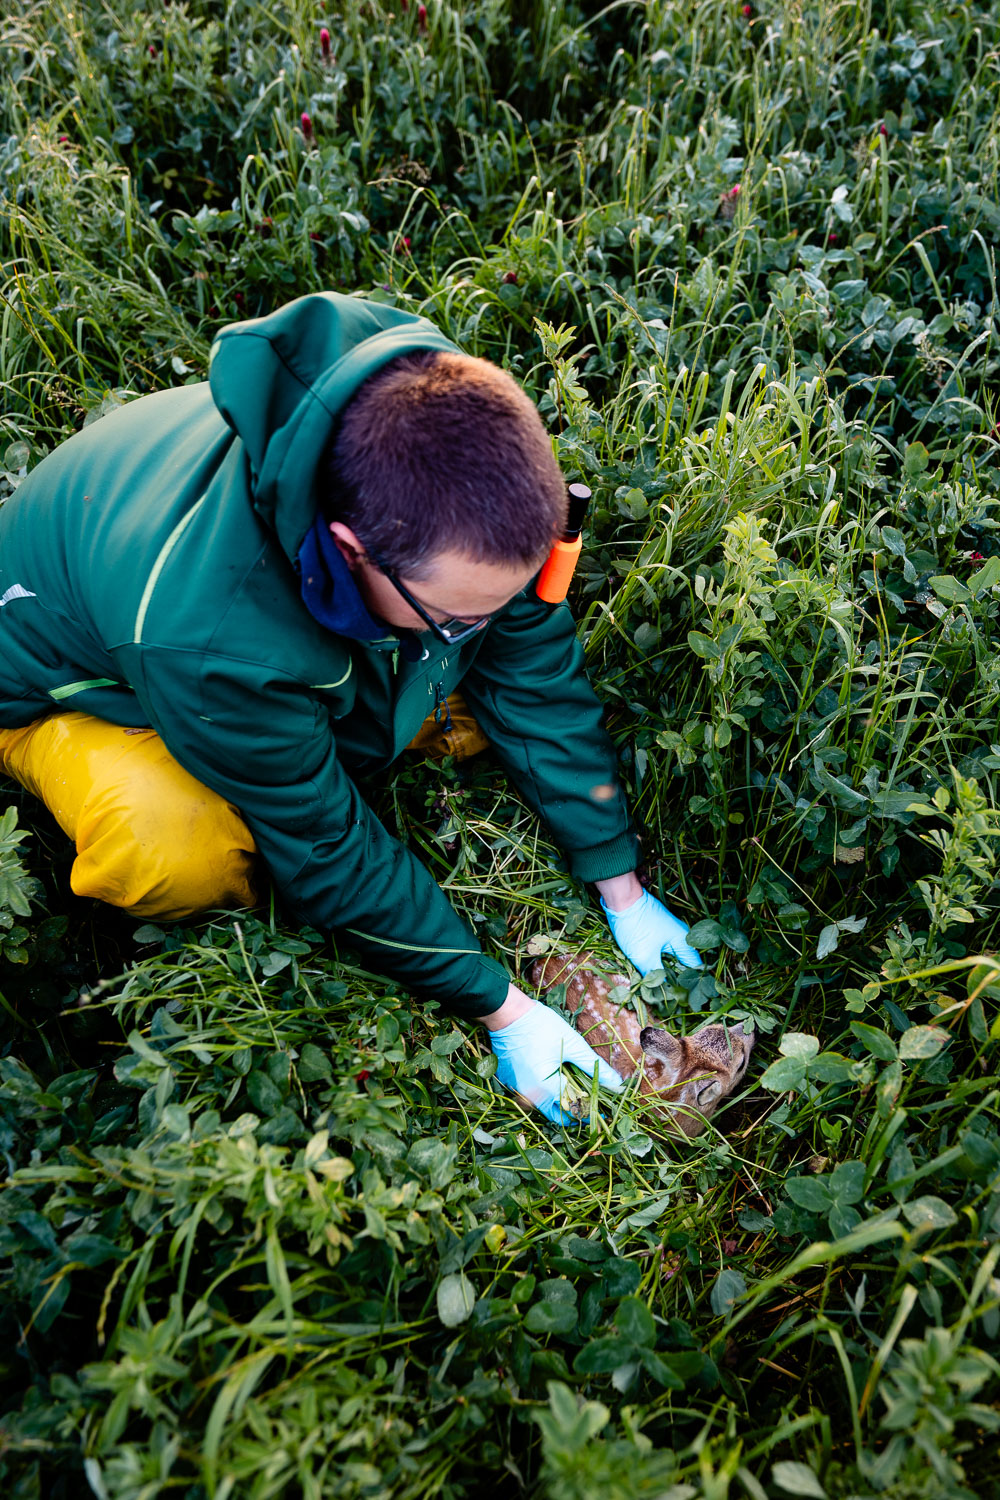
(333, 598)
(328, 590)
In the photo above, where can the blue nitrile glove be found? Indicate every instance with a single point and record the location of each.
(645, 929)
(532, 1049)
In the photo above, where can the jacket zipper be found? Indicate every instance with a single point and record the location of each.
(440, 701)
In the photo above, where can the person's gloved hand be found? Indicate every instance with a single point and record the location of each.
(644, 930)
(531, 1051)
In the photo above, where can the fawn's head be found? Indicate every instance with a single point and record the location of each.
(696, 1072)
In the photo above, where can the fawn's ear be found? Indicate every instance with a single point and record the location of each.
(661, 1045)
(710, 1094)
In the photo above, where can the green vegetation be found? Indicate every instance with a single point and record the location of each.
(266, 1230)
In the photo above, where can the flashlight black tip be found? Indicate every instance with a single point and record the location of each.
(579, 499)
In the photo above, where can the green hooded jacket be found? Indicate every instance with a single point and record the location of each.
(147, 576)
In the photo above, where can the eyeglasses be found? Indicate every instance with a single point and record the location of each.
(452, 631)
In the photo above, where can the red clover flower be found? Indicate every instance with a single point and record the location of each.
(324, 43)
(307, 126)
(727, 206)
(422, 18)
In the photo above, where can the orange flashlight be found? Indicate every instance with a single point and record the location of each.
(557, 572)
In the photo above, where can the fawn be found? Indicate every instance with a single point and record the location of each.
(688, 1075)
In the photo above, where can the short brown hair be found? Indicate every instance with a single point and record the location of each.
(444, 452)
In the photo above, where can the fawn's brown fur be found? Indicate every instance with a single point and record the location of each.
(688, 1075)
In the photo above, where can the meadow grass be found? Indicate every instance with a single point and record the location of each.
(267, 1229)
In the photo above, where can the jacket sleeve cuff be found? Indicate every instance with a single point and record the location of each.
(615, 856)
(488, 993)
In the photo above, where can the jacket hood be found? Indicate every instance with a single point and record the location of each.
(280, 382)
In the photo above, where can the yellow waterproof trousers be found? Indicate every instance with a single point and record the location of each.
(149, 837)
(456, 734)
